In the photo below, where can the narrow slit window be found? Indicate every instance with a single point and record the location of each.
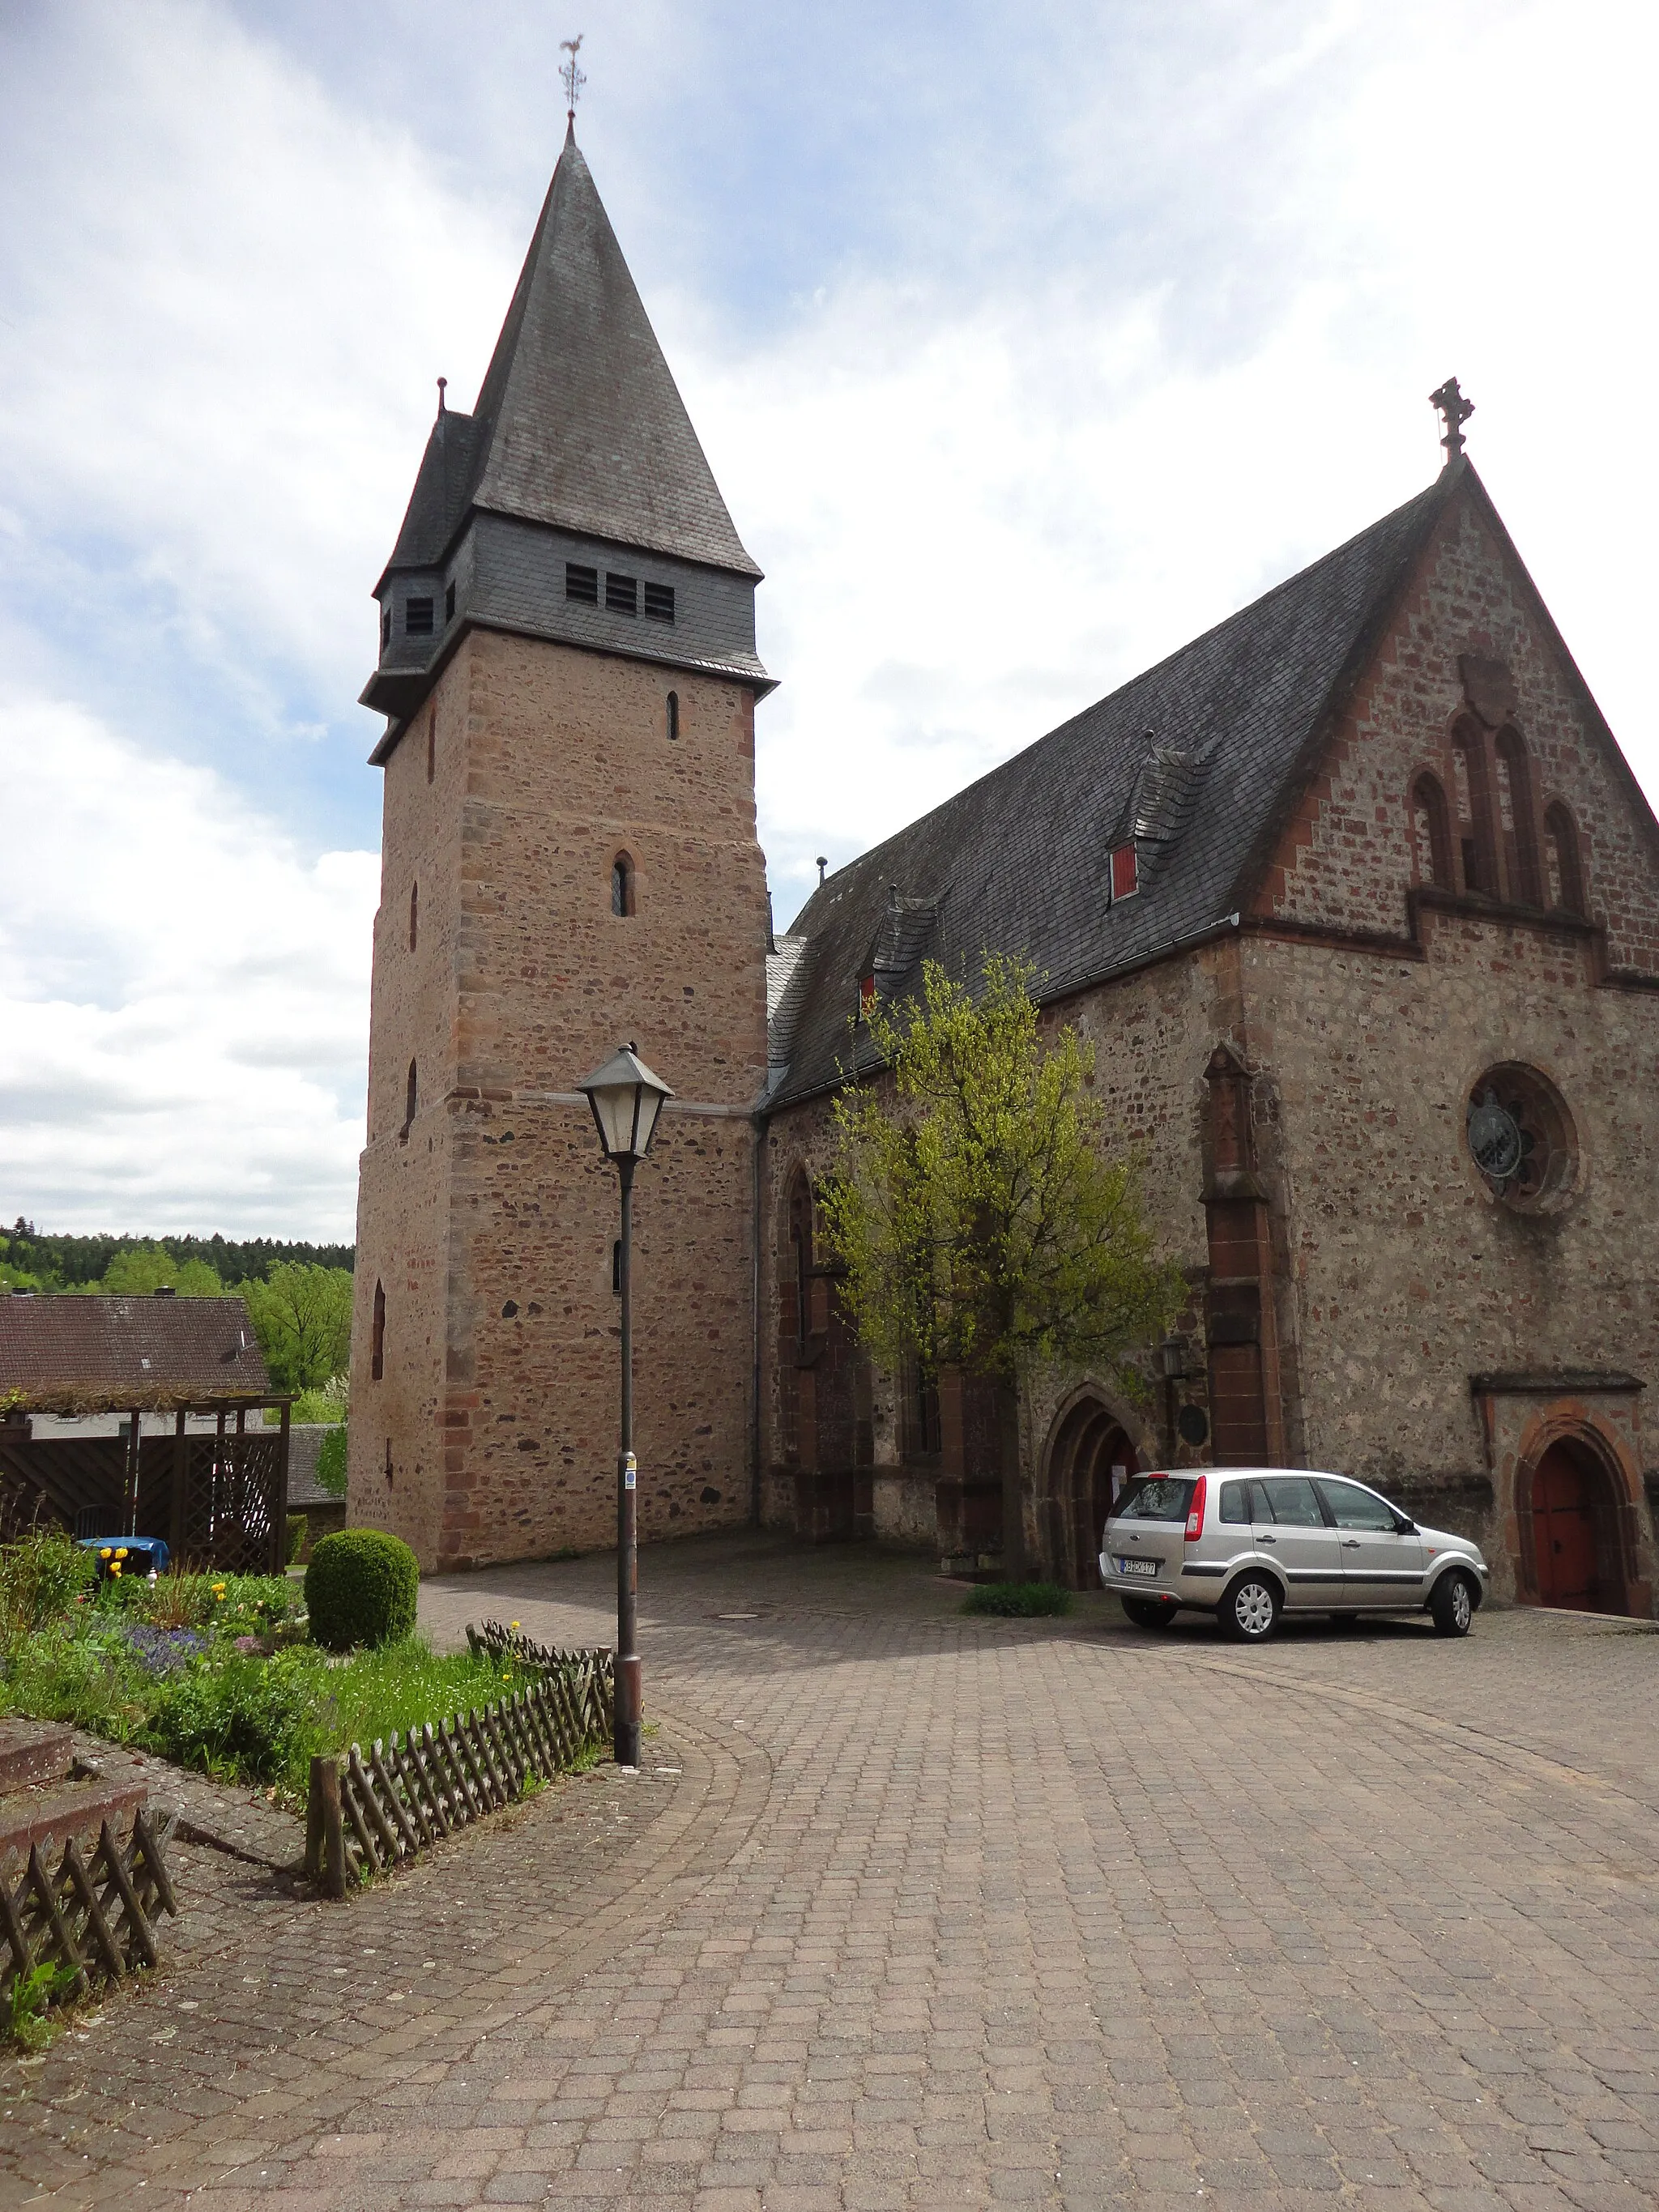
(621, 885)
(581, 583)
(622, 594)
(377, 1354)
(417, 617)
(413, 915)
(412, 1099)
(673, 714)
(659, 601)
(431, 743)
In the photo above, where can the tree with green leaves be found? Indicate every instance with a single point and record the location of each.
(302, 1318)
(141, 1270)
(979, 1215)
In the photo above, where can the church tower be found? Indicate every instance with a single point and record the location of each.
(568, 669)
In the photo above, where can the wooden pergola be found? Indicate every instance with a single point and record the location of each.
(217, 1500)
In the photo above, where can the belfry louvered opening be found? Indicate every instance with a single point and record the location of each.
(581, 583)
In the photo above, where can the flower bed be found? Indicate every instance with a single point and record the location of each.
(213, 1671)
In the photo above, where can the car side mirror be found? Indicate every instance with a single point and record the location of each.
(1405, 1527)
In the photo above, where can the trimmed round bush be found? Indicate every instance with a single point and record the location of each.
(361, 1587)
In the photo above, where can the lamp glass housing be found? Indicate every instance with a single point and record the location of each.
(626, 1100)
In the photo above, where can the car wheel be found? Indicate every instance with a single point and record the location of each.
(1452, 1605)
(1249, 1612)
(1146, 1614)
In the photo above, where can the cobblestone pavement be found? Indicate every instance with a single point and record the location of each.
(913, 1910)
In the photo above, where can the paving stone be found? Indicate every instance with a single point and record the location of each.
(938, 1911)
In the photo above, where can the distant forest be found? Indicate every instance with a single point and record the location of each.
(62, 1262)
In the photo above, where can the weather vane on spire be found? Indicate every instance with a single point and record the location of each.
(574, 78)
(1457, 411)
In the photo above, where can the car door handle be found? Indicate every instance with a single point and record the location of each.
(1351, 1543)
(1267, 1540)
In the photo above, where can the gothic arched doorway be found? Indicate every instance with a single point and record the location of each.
(1089, 1459)
(1574, 1532)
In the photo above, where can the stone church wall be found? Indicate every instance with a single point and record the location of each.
(1350, 855)
(1410, 1278)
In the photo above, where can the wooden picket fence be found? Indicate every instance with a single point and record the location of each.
(370, 1811)
(94, 1916)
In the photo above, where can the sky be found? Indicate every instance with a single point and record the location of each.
(1026, 344)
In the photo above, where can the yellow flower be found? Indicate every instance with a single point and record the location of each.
(120, 1550)
(104, 1553)
(115, 1566)
(515, 1624)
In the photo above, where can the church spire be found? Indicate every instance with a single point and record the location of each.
(575, 502)
(579, 424)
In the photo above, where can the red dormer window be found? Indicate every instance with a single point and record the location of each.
(867, 996)
(1126, 873)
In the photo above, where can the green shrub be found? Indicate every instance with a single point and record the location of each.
(331, 1463)
(297, 1526)
(41, 1575)
(1023, 1600)
(361, 1587)
(238, 1715)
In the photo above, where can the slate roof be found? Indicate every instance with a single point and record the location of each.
(578, 422)
(1196, 759)
(68, 1353)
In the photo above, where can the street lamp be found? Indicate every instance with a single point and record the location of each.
(626, 1099)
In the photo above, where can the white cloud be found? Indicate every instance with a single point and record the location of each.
(185, 999)
(1187, 306)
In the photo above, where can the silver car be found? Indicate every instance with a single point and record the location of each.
(1247, 1544)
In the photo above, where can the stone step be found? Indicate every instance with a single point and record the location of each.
(33, 1751)
(54, 1811)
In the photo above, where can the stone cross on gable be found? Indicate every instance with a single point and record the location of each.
(1456, 411)
(573, 77)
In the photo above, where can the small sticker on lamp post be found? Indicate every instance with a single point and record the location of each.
(630, 1472)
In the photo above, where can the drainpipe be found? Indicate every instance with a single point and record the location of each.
(759, 1126)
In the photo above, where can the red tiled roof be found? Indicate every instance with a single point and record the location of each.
(70, 1354)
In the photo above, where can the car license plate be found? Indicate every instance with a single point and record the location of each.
(1137, 1566)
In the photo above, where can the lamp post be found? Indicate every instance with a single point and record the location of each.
(626, 1099)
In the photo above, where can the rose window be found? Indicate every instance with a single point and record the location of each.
(1521, 1137)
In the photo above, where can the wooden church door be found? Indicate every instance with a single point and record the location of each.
(1564, 1531)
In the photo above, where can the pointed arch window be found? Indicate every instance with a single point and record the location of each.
(1472, 795)
(1517, 817)
(1562, 862)
(621, 885)
(800, 1252)
(377, 1343)
(1432, 833)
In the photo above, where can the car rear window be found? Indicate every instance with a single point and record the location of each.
(1154, 1498)
(1235, 1502)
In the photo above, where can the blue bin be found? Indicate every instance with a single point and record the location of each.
(143, 1553)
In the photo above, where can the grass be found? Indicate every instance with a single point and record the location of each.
(1023, 1600)
(209, 1670)
(236, 1715)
